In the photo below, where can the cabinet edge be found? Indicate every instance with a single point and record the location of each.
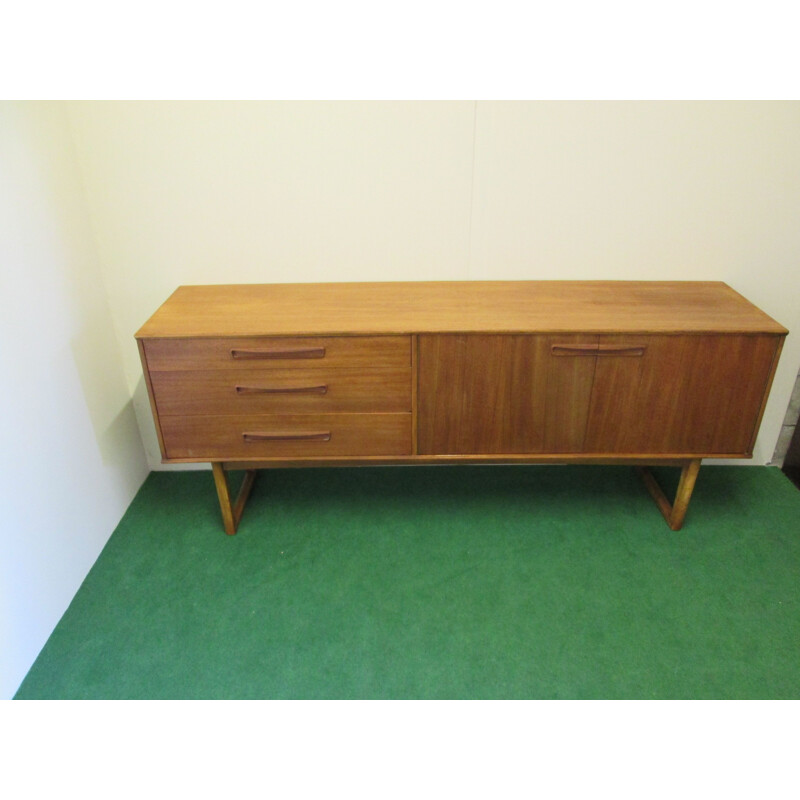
(151, 396)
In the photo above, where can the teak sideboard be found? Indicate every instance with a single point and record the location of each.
(288, 375)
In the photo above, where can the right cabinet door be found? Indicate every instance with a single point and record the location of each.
(679, 394)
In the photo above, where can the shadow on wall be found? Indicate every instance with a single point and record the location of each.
(110, 410)
(112, 441)
(788, 449)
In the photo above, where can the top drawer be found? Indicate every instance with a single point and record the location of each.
(259, 352)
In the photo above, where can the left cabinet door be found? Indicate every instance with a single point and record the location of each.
(495, 394)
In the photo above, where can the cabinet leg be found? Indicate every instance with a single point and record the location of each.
(674, 512)
(231, 512)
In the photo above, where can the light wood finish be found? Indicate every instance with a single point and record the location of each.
(231, 512)
(223, 437)
(350, 309)
(362, 352)
(229, 391)
(480, 372)
(675, 512)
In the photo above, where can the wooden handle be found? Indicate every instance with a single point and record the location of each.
(635, 350)
(321, 389)
(285, 436)
(574, 349)
(293, 352)
(597, 350)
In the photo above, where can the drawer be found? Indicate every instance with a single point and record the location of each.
(276, 391)
(257, 436)
(330, 352)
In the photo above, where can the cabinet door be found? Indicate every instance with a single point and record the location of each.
(683, 394)
(485, 394)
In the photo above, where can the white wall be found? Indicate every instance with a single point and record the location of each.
(72, 456)
(204, 192)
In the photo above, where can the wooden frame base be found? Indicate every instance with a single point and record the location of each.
(675, 512)
(231, 512)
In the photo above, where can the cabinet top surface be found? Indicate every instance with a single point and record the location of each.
(456, 307)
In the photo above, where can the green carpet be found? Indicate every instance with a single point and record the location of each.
(440, 582)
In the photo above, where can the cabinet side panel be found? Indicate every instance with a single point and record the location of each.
(685, 394)
(151, 395)
(779, 340)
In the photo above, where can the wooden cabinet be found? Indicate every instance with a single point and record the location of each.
(293, 374)
(671, 396)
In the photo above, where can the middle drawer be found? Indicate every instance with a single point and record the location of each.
(253, 391)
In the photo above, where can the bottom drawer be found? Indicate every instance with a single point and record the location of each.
(286, 435)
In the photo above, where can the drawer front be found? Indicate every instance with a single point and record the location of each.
(275, 391)
(257, 436)
(258, 353)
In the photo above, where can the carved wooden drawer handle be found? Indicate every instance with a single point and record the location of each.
(294, 352)
(321, 389)
(597, 350)
(574, 349)
(286, 436)
(635, 350)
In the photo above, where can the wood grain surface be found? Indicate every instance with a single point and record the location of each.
(220, 353)
(348, 309)
(270, 391)
(502, 394)
(222, 437)
(687, 394)
(520, 394)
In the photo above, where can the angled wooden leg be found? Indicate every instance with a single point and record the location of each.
(231, 512)
(675, 512)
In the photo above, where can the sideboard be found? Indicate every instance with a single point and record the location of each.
(288, 375)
